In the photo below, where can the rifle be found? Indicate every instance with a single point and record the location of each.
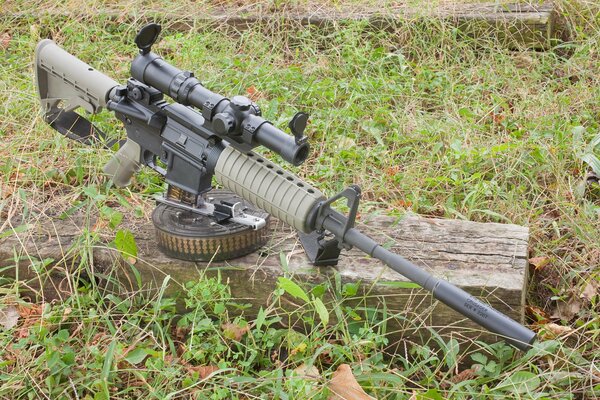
(188, 147)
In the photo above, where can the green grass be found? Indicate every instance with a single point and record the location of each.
(423, 118)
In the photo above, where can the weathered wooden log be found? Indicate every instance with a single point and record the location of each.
(488, 260)
(515, 25)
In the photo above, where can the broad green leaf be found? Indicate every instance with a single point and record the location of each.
(260, 318)
(283, 260)
(136, 355)
(101, 396)
(401, 285)
(595, 142)
(321, 310)
(466, 113)
(219, 308)
(431, 394)
(493, 214)
(492, 366)
(543, 348)
(456, 145)
(520, 382)
(63, 335)
(479, 358)
(593, 161)
(108, 361)
(318, 290)
(137, 275)
(451, 353)
(125, 243)
(577, 133)
(92, 193)
(350, 289)
(113, 216)
(17, 229)
(380, 377)
(292, 289)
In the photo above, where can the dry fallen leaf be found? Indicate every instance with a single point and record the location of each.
(253, 93)
(498, 117)
(566, 310)
(393, 170)
(203, 370)
(523, 60)
(233, 331)
(5, 40)
(539, 262)
(540, 315)
(464, 375)
(345, 143)
(301, 348)
(31, 314)
(100, 225)
(181, 332)
(557, 329)
(307, 372)
(589, 291)
(401, 203)
(66, 312)
(9, 316)
(343, 385)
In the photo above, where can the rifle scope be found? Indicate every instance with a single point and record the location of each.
(238, 120)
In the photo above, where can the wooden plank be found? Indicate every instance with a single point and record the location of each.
(487, 260)
(515, 25)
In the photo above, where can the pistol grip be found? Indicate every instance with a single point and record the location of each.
(124, 164)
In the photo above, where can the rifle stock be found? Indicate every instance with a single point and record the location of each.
(63, 78)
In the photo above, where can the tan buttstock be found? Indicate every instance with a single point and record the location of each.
(66, 82)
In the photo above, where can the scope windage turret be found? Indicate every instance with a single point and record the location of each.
(237, 120)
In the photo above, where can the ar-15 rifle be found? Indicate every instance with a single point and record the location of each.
(189, 147)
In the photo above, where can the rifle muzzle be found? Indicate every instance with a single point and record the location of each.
(454, 297)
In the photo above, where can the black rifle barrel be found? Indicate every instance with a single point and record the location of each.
(456, 298)
(182, 87)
